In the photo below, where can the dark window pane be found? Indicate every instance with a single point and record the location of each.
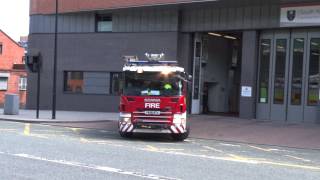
(297, 70)
(314, 70)
(116, 77)
(73, 82)
(104, 23)
(3, 83)
(280, 69)
(76, 75)
(96, 83)
(0, 48)
(265, 48)
(87, 82)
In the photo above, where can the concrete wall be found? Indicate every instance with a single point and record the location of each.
(91, 52)
(249, 73)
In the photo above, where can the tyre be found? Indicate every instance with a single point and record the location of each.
(125, 134)
(181, 137)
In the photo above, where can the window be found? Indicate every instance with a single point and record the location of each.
(103, 23)
(23, 60)
(116, 83)
(1, 48)
(297, 69)
(314, 72)
(280, 69)
(23, 84)
(91, 82)
(265, 49)
(3, 83)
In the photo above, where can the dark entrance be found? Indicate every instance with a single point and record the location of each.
(221, 72)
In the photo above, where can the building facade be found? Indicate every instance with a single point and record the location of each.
(13, 77)
(251, 58)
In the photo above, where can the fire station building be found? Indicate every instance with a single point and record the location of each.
(249, 58)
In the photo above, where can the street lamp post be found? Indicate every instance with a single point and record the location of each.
(54, 89)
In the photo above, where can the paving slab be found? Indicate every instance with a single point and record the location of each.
(256, 132)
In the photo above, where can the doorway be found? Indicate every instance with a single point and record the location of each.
(221, 73)
(288, 76)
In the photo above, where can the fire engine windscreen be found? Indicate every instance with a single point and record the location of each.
(152, 84)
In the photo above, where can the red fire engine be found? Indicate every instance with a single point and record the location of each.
(153, 98)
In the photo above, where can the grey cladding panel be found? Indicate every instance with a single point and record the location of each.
(230, 17)
(247, 19)
(239, 17)
(223, 18)
(147, 20)
(67, 23)
(144, 21)
(200, 19)
(256, 16)
(135, 21)
(275, 16)
(215, 18)
(207, 18)
(264, 18)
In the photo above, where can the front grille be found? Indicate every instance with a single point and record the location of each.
(141, 117)
(151, 126)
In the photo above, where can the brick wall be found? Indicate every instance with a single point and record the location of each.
(48, 6)
(11, 54)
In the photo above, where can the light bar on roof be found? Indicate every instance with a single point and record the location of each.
(154, 57)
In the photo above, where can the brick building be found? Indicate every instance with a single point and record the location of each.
(12, 70)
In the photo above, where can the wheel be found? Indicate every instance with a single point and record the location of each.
(125, 134)
(181, 137)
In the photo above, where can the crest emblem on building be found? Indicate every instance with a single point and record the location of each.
(291, 15)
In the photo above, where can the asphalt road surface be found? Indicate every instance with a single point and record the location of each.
(29, 151)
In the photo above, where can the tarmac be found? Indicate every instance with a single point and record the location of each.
(222, 128)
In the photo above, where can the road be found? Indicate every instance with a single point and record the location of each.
(30, 151)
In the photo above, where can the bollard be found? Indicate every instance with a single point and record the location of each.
(11, 105)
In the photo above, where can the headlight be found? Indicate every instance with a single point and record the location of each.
(127, 120)
(125, 117)
(179, 118)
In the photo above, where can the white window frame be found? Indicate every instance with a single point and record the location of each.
(23, 83)
(4, 85)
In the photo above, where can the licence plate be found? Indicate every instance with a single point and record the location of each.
(152, 112)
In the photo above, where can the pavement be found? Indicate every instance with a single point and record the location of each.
(29, 116)
(256, 131)
(305, 136)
